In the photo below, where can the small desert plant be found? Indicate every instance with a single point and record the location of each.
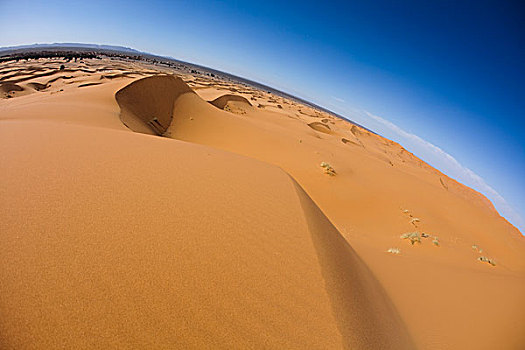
(476, 248)
(394, 250)
(487, 260)
(328, 169)
(412, 236)
(436, 241)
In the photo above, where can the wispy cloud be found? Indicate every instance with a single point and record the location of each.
(455, 168)
(338, 99)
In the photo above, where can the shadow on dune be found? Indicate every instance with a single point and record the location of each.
(366, 317)
(37, 86)
(8, 87)
(147, 104)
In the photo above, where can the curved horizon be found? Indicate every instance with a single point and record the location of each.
(444, 84)
(456, 171)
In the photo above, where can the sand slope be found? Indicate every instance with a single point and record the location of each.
(183, 249)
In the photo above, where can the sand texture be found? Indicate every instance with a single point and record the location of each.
(149, 207)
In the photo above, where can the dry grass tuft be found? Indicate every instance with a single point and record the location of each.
(394, 250)
(412, 236)
(476, 248)
(487, 260)
(328, 169)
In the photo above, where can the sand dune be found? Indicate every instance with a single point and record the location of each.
(402, 187)
(8, 89)
(320, 127)
(222, 101)
(232, 103)
(353, 142)
(147, 104)
(37, 86)
(228, 231)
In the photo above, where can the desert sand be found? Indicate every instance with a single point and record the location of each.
(150, 207)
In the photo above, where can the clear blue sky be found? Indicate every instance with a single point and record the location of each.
(443, 78)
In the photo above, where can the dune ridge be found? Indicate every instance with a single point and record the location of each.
(366, 316)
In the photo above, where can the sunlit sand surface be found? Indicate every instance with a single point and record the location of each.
(150, 207)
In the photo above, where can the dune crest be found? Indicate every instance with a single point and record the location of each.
(367, 319)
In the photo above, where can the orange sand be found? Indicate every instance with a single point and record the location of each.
(226, 232)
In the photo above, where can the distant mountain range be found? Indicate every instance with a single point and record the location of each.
(72, 45)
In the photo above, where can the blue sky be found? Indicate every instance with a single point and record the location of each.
(443, 78)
